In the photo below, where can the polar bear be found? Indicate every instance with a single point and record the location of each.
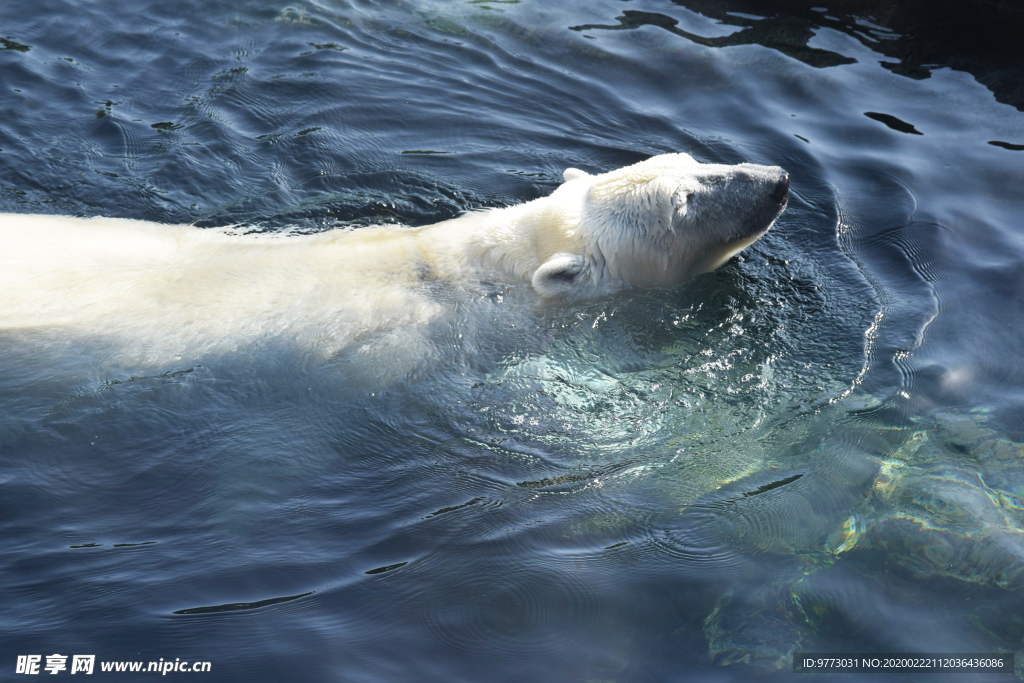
(656, 223)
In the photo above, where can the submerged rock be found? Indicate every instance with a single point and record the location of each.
(760, 626)
(944, 503)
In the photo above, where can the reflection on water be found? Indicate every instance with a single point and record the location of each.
(915, 37)
(816, 448)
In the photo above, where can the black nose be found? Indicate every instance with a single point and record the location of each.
(781, 191)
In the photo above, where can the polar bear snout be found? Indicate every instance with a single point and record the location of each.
(741, 201)
(781, 191)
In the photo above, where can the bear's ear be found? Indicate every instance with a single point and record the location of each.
(574, 173)
(559, 275)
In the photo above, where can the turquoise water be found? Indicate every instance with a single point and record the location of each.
(817, 448)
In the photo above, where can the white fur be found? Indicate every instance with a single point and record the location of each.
(179, 288)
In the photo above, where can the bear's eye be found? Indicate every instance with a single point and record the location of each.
(682, 200)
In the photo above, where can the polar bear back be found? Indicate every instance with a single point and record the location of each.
(177, 287)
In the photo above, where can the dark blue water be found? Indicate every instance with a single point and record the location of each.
(816, 448)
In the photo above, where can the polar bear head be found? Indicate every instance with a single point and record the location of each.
(660, 222)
